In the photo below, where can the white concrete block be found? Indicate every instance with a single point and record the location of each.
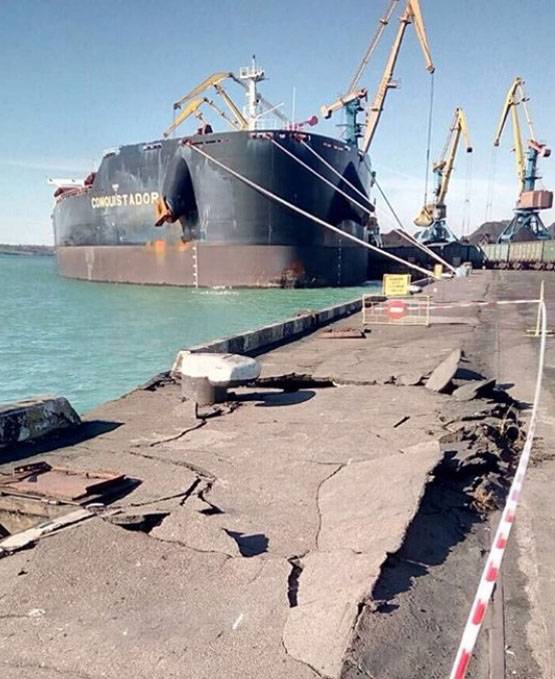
(224, 370)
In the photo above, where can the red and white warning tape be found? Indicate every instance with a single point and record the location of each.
(497, 551)
(461, 305)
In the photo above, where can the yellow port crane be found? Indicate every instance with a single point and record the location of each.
(530, 200)
(352, 100)
(433, 216)
(411, 14)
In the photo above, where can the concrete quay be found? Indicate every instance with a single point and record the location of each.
(321, 532)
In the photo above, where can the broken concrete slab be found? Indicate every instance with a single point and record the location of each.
(149, 609)
(318, 633)
(409, 379)
(360, 524)
(204, 533)
(473, 389)
(441, 377)
(358, 528)
(34, 418)
(331, 584)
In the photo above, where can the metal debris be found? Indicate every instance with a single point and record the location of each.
(41, 480)
(343, 333)
(28, 537)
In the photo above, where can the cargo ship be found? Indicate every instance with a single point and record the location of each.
(163, 213)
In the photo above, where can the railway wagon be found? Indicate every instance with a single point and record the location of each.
(526, 254)
(496, 255)
(549, 254)
(523, 255)
(454, 253)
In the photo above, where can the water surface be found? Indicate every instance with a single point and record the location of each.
(91, 342)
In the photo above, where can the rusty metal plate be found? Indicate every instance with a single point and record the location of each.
(58, 483)
(343, 333)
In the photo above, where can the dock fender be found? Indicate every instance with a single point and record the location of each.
(178, 196)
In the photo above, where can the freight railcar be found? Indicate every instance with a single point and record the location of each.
(536, 254)
(455, 253)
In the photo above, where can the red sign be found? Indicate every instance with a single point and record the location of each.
(396, 309)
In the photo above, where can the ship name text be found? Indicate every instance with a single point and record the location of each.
(125, 199)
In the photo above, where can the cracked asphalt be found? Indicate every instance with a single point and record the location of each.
(274, 519)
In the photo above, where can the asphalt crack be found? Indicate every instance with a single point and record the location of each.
(318, 489)
(199, 471)
(293, 580)
(305, 664)
(72, 674)
(175, 437)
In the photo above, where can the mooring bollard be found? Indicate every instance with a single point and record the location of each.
(206, 377)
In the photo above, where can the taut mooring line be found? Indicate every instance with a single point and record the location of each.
(306, 214)
(403, 232)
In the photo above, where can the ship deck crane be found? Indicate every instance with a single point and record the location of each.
(530, 200)
(433, 216)
(190, 103)
(192, 108)
(247, 78)
(352, 100)
(411, 14)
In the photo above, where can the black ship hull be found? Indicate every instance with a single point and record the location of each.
(225, 233)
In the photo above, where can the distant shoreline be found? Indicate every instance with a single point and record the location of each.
(26, 250)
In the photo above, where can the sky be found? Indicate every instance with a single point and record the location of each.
(80, 77)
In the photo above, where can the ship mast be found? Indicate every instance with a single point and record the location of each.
(250, 76)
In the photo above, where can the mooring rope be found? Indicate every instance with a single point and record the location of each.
(398, 220)
(404, 233)
(306, 214)
(317, 174)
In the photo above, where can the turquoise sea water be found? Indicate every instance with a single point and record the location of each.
(92, 342)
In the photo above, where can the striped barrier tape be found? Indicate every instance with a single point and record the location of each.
(460, 305)
(497, 551)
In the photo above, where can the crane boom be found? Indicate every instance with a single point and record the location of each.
(222, 114)
(412, 14)
(372, 47)
(213, 79)
(232, 106)
(190, 109)
(445, 166)
(351, 100)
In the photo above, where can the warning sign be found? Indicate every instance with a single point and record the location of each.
(396, 285)
(396, 309)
